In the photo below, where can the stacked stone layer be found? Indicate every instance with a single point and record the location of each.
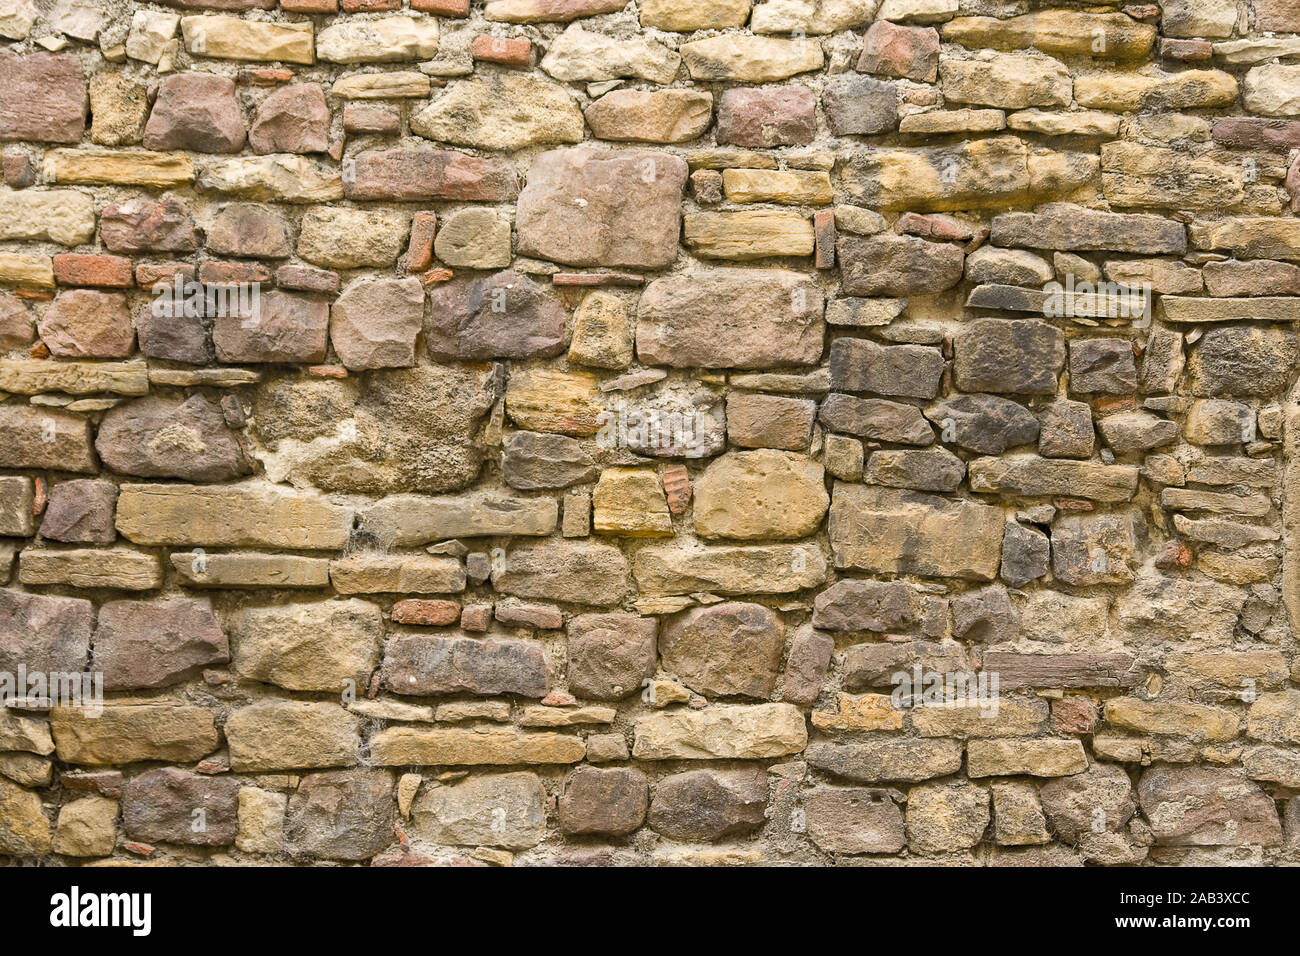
(597, 411)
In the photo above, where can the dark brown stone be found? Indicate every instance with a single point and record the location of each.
(603, 802)
(158, 437)
(341, 815)
(163, 806)
(709, 804)
(421, 665)
(610, 654)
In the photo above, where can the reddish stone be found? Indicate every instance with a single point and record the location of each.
(1249, 132)
(141, 225)
(760, 118)
(444, 8)
(40, 496)
(893, 50)
(249, 231)
(1146, 12)
(149, 644)
(310, 6)
(233, 273)
(159, 805)
(415, 173)
(138, 848)
(434, 276)
(106, 783)
(327, 371)
(419, 251)
(1175, 556)
(370, 6)
(288, 328)
(72, 268)
(706, 186)
(558, 698)
(943, 228)
(677, 488)
(369, 118)
(426, 613)
(265, 76)
(509, 51)
(1073, 504)
(476, 617)
(307, 279)
(1074, 715)
(196, 111)
(1277, 16)
(824, 239)
(1189, 50)
(149, 274)
(82, 323)
(16, 326)
(44, 97)
(19, 170)
(81, 511)
(293, 119)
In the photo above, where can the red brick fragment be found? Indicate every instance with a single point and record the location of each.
(476, 617)
(508, 51)
(444, 8)
(72, 268)
(419, 251)
(19, 170)
(426, 613)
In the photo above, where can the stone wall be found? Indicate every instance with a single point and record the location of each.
(677, 431)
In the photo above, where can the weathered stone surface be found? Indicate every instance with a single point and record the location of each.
(25, 831)
(740, 569)
(629, 213)
(1041, 758)
(1062, 32)
(876, 418)
(86, 827)
(722, 731)
(910, 371)
(769, 116)
(45, 97)
(130, 733)
(1030, 475)
(159, 806)
(945, 817)
(986, 424)
(606, 802)
(1155, 91)
(887, 531)
(420, 665)
(248, 515)
(564, 571)
(854, 821)
(750, 59)
(378, 41)
(1072, 803)
(232, 38)
(341, 814)
(1239, 361)
(532, 461)
(506, 112)
(658, 116)
(327, 646)
(760, 494)
(708, 805)
(725, 649)
(415, 429)
(506, 315)
(196, 111)
(898, 265)
(292, 119)
(463, 814)
(774, 317)
(375, 324)
(1065, 226)
(82, 323)
(1006, 80)
(610, 655)
(1203, 806)
(157, 438)
(399, 746)
(409, 520)
(630, 502)
(44, 632)
(289, 734)
(64, 216)
(579, 54)
(156, 643)
(34, 437)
